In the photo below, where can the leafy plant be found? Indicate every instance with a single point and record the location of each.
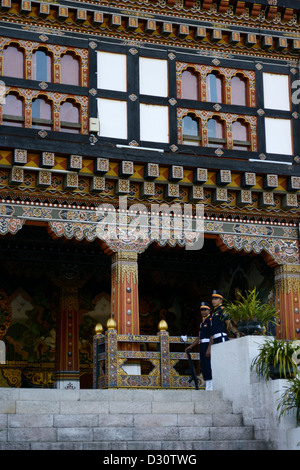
(290, 399)
(276, 353)
(249, 307)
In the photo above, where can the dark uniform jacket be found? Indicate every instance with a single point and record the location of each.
(218, 325)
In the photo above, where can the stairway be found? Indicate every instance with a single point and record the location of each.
(122, 419)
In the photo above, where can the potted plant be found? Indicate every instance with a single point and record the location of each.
(276, 359)
(290, 399)
(251, 315)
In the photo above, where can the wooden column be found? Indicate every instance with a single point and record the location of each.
(69, 280)
(67, 359)
(287, 300)
(124, 292)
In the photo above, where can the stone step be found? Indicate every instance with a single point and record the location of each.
(44, 419)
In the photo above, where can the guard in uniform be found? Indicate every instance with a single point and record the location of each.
(220, 319)
(204, 340)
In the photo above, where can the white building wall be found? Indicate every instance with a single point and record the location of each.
(255, 398)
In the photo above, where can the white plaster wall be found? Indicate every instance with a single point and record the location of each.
(255, 398)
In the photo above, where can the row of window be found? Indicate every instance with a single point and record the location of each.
(193, 82)
(216, 133)
(42, 114)
(42, 65)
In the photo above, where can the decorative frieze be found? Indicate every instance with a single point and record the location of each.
(289, 201)
(132, 23)
(44, 9)
(200, 32)
(19, 157)
(183, 30)
(293, 183)
(147, 189)
(81, 15)
(98, 17)
(97, 184)
(265, 199)
(151, 171)
(5, 4)
(223, 177)
(167, 28)
(200, 175)
(75, 162)
(234, 37)
(216, 35)
(63, 13)
(25, 6)
(47, 160)
(171, 191)
(248, 180)
(270, 181)
(150, 26)
(244, 197)
(71, 181)
(101, 165)
(44, 178)
(219, 196)
(122, 186)
(16, 176)
(126, 169)
(176, 173)
(196, 193)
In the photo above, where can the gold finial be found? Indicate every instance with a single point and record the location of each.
(163, 325)
(99, 329)
(111, 324)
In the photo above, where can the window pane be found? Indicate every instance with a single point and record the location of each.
(13, 106)
(215, 129)
(153, 77)
(239, 131)
(190, 127)
(41, 66)
(13, 62)
(189, 85)
(41, 110)
(238, 91)
(112, 115)
(69, 66)
(276, 91)
(214, 88)
(111, 71)
(278, 136)
(69, 112)
(154, 123)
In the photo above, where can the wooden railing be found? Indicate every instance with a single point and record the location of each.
(142, 361)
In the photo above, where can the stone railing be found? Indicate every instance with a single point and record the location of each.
(142, 361)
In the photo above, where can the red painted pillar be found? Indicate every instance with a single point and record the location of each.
(67, 340)
(124, 292)
(287, 300)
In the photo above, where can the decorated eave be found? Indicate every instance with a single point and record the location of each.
(259, 25)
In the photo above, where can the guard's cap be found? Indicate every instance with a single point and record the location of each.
(217, 293)
(205, 305)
